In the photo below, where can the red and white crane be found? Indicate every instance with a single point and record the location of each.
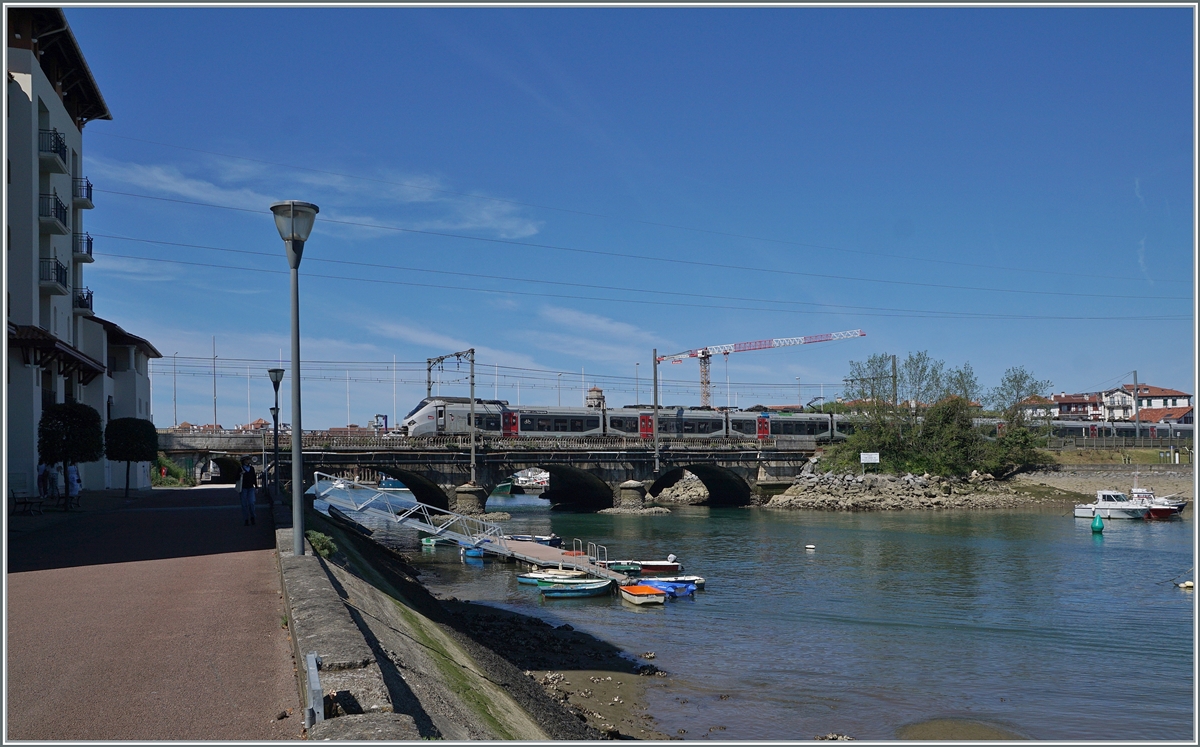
(705, 354)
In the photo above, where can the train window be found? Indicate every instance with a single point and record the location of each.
(744, 426)
(625, 425)
(777, 428)
(576, 425)
(492, 423)
(845, 428)
(668, 425)
(528, 424)
(591, 424)
(689, 426)
(543, 424)
(707, 426)
(560, 425)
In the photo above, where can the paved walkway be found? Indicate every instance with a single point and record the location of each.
(153, 619)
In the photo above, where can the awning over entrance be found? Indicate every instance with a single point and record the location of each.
(40, 348)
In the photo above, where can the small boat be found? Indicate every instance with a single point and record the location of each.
(533, 577)
(642, 594)
(1112, 504)
(1158, 508)
(471, 552)
(593, 588)
(435, 541)
(550, 540)
(644, 567)
(567, 580)
(697, 581)
(391, 483)
(674, 589)
(504, 488)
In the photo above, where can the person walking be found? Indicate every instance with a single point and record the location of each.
(247, 482)
(74, 485)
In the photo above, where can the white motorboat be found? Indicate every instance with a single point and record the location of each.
(1160, 507)
(1112, 504)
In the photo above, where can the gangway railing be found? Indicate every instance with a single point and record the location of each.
(597, 554)
(344, 493)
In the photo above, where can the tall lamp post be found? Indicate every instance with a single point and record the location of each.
(295, 220)
(276, 375)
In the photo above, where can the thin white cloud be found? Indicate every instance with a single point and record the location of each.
(170, 180)
(1137, 190)
(135, 269)
(1141, 257)
(595, 323)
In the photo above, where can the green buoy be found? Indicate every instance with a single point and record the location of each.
(1097, 524)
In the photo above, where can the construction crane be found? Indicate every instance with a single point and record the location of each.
(705, 354)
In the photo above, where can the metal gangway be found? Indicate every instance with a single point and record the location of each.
(344, 494)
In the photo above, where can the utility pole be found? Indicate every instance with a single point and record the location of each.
(656, 463)
(473, 424)
(560, 389)
(799, 396)
(347, 398)
(175, 389)
(214, 383)
(393, 391)
(637, 385)
(895, 389)
(1137, 414)
(247, 395)
(726, 381)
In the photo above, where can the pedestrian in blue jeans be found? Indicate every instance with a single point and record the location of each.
(247, 484)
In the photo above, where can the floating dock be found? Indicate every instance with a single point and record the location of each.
(468, 531)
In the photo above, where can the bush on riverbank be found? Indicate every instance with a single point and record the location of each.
(944, 442)
(176, 477)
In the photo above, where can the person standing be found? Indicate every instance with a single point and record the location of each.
(247, 484)
(74, 485)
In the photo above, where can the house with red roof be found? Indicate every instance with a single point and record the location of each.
(1119, 402)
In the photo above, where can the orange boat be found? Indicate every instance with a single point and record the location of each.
(640, 594)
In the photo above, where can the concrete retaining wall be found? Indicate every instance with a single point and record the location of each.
(354, 698)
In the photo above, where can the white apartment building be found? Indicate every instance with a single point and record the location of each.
(1119, 405)
(58, 350)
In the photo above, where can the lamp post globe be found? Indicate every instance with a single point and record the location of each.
(295, 219)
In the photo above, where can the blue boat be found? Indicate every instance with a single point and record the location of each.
(550, 540)
(673, 589)
(470, 552)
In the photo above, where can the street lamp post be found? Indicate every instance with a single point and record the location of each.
(295, 220)
(637, 385)
(276, 375)
(174, 389)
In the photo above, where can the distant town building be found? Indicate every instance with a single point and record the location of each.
(1087, 406)
(595, 398)
(1179, 415)
(58, 349)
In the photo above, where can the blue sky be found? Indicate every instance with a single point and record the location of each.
(996, 186)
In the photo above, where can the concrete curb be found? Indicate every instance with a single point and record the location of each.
(354, 692)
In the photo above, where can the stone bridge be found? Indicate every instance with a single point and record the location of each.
(586, 474)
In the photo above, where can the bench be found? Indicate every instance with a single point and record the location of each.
(26, 504)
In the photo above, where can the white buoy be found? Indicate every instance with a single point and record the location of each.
(810, 547)
(1187, 585)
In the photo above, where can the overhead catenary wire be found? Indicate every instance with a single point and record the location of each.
(668, 260)
(509, 291)
(490, 198)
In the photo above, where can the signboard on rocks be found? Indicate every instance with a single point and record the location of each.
(868, 457)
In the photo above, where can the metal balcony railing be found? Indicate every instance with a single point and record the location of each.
(53, 271)
(83, 189)
(52, 141)
(49, 206)
(83, 244)
(83, 299)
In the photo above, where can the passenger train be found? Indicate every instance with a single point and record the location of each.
(451, 415)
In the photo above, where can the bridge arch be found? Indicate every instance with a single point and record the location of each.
(423, 489)
(229, 467)
(573, 489)
(725, 487)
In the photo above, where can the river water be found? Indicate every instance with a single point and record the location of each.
(1021, 619)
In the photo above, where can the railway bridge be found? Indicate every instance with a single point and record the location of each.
(586, 474)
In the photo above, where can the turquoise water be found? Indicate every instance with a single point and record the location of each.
(1023, 619)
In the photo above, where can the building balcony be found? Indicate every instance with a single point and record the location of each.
(81, 250)
(52, 151)
(83, 193)
(52, 277)
(52, 214)
(82, 303)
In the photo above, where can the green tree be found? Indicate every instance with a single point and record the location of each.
(948, 443)
(961, 382)
(1016, 385)
(70, 433)
(131, 440)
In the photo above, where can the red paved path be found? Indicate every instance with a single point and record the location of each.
(153, 620)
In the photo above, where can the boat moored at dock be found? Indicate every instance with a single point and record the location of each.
(592, 588)
(642, 594)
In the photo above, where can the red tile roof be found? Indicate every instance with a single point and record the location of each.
(1146, 390)
(1163, 414)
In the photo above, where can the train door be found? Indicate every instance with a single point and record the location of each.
(441, 419)
(764, 426)
(509, 424)
(1093, 431)
(646, 426)
(1153, 431)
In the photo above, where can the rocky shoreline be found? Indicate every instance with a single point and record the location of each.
(881, 492)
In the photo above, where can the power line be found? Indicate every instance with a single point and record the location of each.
(658, 224)
(668, 260)
(916, 315)
(533, 281)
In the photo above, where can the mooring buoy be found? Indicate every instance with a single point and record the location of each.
(1097, 523)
